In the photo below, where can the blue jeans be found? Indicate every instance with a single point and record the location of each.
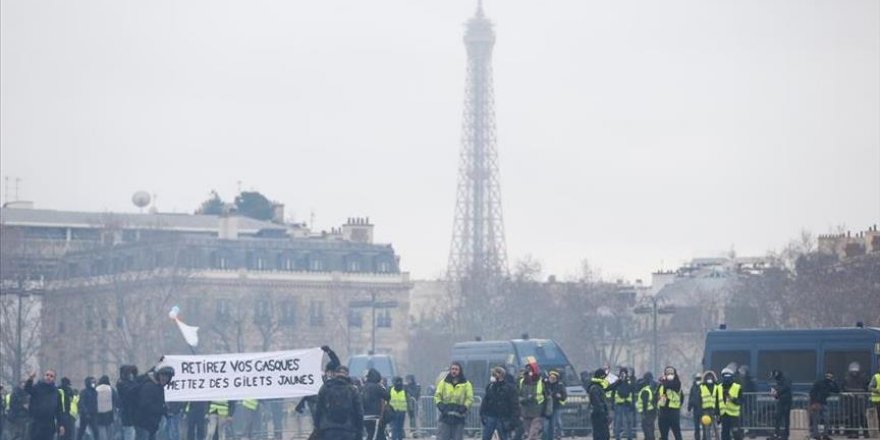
(397, 425)
(494, 424)
(624, 419)
(172, 426)
(553, 425)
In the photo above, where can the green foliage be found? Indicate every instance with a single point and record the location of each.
(254, 205)
(212, 206)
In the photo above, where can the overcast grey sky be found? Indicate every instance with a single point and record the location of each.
(637, 134)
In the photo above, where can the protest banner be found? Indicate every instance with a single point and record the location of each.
(237, 376)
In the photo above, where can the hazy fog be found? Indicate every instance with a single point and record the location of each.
(632, 133)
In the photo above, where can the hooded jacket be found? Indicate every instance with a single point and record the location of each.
(500, 401)
(45, 403)
(354, 424)
(88, 400)
(149, 403)
(783, 390)
(374, 394)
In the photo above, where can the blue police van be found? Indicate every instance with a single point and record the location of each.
(804, 355)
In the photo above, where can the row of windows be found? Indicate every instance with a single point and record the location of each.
(287, 313)
(229, 260)
(798, 365)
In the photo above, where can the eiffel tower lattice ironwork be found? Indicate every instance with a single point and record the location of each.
(478, 253)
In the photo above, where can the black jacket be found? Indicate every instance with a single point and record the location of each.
(88, 403)
(695, 401)
(598, 403)
(501, 401)
(127, 389)
(557, 392)
(17, 405)
(821, 389)
(374, 394)
(783, 392)
(149, 403)
(45, 401)
(354, 424)
(625, 389)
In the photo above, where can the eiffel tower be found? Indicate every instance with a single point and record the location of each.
(478, 254)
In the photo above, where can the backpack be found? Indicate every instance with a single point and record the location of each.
(338, 405)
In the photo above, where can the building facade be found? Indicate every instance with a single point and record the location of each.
(248, 285)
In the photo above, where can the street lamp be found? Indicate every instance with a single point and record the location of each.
(651, 307)
(373, 305)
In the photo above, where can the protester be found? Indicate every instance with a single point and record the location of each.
(126, 387)
(197, 420)
(694, 406)
(339, 411)
(413, 394)
(669, 399)
(68, 421)
(88, 409)
(107, 405)
(729, 409)
(557, 392)
(599, 416)
(646, 406)
(398, 404)
(781, 391)
(624, 407)
(710, 404)
(150, 402)
(819, 394)
(855, 385)
(17, 413)
(454, 396)
(532, 400)
(500, 406)
(45, 408)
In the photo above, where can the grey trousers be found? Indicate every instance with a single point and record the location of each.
(450, 432)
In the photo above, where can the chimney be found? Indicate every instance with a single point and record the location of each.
(278, 213)
(358, 229)
(227, 228)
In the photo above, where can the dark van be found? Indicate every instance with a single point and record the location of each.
(802, 354)
(478, 357)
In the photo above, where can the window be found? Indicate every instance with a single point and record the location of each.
(838, 362)
(316, 265)
(354, 266)
(90, 325)
(103, 324)
(721, 359)
(288, 313)
(355, 318)
(383, 267)
(316, 313)
(261, 310)
(219, 261)
(223, 311)
(61, 327)
(286, 262)
(383, 319)
(798, 365)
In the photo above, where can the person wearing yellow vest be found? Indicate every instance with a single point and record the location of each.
(66, 393)
(219, 416)
(710, 403)
(557, 393)
(646, 405)
(729, 405)
(669, 400)
(624, 406)
(398, 404)
(453, 398)
(874, 389)
(251, 408)
(532, 400)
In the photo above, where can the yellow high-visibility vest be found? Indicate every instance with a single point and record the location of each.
(250, 404)
(74, 405)
(398, 399)
(728, 408)
(539, 390)
(709, 398)
(645, 390)
(673, 398)
(63, 400)
(875, 392)
(219, 408)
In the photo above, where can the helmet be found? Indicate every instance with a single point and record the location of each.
(854, 367)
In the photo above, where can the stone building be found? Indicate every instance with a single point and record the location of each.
(249, 285)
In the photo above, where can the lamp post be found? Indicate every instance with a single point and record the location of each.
(653, 308)
(373, 305)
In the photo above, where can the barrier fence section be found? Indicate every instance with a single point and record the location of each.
(848, 414)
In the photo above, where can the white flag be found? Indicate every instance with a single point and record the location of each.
(190, 333)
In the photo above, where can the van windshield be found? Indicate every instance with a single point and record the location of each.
(359, 365)
(548, 355)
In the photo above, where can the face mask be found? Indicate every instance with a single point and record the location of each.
(710, 381)
(670, 376)
(493, 379)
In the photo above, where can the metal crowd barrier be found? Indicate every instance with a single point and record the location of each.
(846, 414)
